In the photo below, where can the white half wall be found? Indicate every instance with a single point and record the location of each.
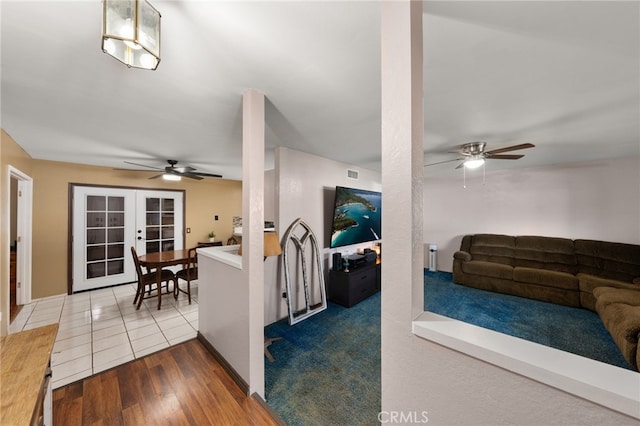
(592, 200)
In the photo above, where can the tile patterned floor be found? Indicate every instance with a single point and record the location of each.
(102, 328)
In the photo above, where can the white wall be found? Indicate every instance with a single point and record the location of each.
(591, 200)
(304, 188)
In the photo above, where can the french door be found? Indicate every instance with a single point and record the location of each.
(108, 221)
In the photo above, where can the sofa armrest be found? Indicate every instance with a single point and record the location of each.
(462, 255)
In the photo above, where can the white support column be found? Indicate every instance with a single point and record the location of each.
(402, 174)
(252, 230)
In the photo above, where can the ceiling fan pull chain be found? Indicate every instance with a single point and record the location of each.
(464, 177)
(483, 174)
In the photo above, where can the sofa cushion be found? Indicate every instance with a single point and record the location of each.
(493, 248)
(556, 254)
(545, 277)
(605, 259)
(488, 269)
(608, 295)
(589, 282)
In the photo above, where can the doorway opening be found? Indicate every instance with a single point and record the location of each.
(20, 222)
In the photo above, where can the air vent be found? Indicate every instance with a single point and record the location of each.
(352, 174)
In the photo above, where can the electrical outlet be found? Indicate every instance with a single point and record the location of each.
(284, 294)
(188, 230)
(215, 217)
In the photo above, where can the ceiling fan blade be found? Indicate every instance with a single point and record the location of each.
(460, 165)
(442, 162)
(190, 175)
(143, 165)
(510, 148)
(208, 175)
(156, 176)
(133, 170)
(505, 156)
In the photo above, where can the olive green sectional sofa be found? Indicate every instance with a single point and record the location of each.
(556, 270)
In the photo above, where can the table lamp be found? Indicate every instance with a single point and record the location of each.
(271, 245)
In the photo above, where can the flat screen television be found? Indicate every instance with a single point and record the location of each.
(356, 217)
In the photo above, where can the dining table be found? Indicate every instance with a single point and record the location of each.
(163, 259)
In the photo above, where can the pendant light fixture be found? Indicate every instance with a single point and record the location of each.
(131, 32)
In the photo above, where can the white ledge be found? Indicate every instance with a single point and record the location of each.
(224, 254)
(613, 387)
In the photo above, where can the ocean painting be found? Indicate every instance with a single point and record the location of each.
(356, 217)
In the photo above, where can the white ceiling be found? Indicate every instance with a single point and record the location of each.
(564, 76)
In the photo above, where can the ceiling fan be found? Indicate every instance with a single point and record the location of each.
(474, 154)
(174, 172)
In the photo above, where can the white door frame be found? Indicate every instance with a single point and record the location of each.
(24, 227)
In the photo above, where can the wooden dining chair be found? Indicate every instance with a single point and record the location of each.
(147, 280)
(188, 273)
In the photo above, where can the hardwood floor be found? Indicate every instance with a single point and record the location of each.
(181, 385)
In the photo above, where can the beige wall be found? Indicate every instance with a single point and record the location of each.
(11, 154)
(203, 200)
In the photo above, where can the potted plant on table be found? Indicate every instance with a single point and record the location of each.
(212, 236)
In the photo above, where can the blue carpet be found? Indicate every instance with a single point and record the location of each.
(327, 367)
(576, 330)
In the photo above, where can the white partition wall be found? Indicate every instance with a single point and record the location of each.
(231, 305)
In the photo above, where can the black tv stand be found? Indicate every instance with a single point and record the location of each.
(350, 288)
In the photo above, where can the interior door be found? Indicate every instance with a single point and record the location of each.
(159, 221)
(103, 231)
(107, 221)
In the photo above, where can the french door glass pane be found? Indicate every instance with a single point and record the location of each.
(95, 270)
(160, 224)
(153, 233)
(167, 204)
(153, 204)
(167, 218)
(95, 219)
(115, 251)
(115, 235)
(116, 219)
(95, 253)
(115, 267)
(153, 218)
(105, 235)
(95, 236)
(153, 246)
(96, 202)
(116, 204)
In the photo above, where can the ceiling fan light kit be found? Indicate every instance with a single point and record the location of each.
(474, 162)
(131, 32)
(171, 177)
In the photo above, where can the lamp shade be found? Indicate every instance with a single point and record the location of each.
(131, 32)
(271, 245)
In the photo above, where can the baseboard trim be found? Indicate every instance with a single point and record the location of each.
(225, 364)
(266, 406)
